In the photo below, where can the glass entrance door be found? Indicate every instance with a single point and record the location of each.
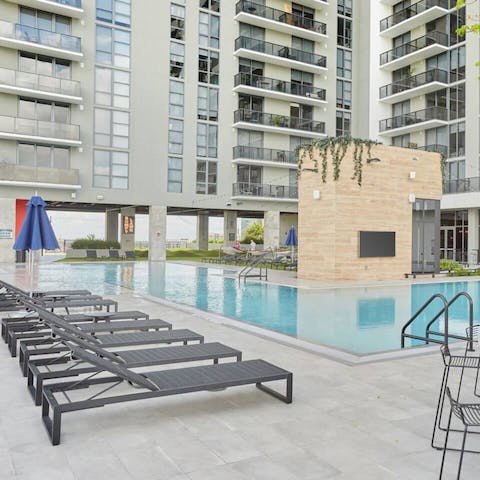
(447, 243)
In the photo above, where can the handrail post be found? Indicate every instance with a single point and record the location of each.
(470, 343)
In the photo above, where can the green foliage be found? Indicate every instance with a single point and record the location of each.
(141, 252)
(449, 265)
(454, 269)
(91, 242)
(254, 232)
(218, 240)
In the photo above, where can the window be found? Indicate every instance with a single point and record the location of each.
(175, 136)
(457, 140)
(250, 102)
(208, 66)
(249, 174)
(44, 110)
(344, 94)
(206, 177)
(436, 137)
(177, 59)
(110, 169)
(343, 124)
(402, 141)
(344, 32)
(112, 87)
(457, 63)
(111, 128)
(114, 11)
(213, 5)
(344, 7)
(344, 63)
(250, 138)
(43, 156)
(45, 21)
(207, 103)
(252, 31)
(42, 65)
(303, 44)
(455, 170)
(457, 101)
(207, 140)
(113, 47)
(174, 175)
(251, 67)
(209, 30)
(177, 22)
(176, 99)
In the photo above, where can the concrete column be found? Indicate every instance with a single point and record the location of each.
(7, 229)
(473, 226)
(229, 227)
(157, 233)
(127, 228)
(111, 225)
(202, 231)
(271, 226)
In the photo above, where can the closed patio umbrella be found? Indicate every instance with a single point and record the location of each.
(291, 240)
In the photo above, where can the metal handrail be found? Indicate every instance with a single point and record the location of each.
(470, 319)
(419, 311)
(414, 81)
(412, 118)
(249, 267)
(264, 154)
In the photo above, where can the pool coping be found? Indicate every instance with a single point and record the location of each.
(342, 356)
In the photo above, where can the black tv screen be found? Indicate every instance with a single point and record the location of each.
(377, 244)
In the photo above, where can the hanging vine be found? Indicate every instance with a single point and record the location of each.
(337, 148)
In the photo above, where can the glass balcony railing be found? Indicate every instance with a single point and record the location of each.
(39, 128)
(412, 11)
(407, 83)
(281, 121)
(259, 190)
(25, 33)
(34, 81)
(443, 149)
(280, 51)
(462, 185)
(264, 154)
(432, 113)
(70, 3)
(430, 38)
(280, 86)
(281, 16)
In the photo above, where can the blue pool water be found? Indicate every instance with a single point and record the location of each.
(359, 320)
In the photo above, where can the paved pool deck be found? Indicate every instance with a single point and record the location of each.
(346, 422)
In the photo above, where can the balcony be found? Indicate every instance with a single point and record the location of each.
(264, 156)
(33, 85)
(413, 16)
(279, 20)
(318, 4)
(68, 8)
(431, 44)
(40, 177)
(279, 89)
(443, 149)
(26, 129)
(268, 122)
(35, 40)
(254, 49)
(414, 86)
(415, 121)
(463, 185)
(254, 191)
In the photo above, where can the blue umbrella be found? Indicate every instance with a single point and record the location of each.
(292, 240)
(36, 232)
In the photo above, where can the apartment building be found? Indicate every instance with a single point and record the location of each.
(195, 107)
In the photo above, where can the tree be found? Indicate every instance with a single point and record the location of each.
(472, 27)
(254, 232)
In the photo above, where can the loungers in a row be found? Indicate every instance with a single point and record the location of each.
(90, 359)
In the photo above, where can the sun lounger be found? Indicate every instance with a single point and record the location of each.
(113, 254)
(40, 370)
(151, 385)
(91, 254)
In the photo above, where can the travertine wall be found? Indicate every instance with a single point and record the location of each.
(328, 228)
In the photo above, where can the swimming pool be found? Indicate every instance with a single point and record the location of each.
(359, 320)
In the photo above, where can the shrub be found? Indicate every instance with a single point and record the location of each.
(93, 243)
(141, 252)
(254, 232)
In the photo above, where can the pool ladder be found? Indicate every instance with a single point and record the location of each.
(446, 335)
(258, 262)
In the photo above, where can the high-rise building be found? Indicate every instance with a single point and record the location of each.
(196, 106)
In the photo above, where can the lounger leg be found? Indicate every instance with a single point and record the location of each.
(441, 397)
(287, 398)
(53, 425)
(445, 445)
(461, 453)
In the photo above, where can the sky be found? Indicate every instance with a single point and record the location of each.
(71, 225)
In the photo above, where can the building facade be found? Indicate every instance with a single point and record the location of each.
(196, 106)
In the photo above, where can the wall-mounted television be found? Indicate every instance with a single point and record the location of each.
(377, 244)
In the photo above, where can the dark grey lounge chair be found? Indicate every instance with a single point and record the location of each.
(113, 254)
(91, 254)
(48, 369)
(151, 384)
(130, 254)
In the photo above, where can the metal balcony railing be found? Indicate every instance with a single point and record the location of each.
(34, 81)
(430, 38)
(259, 190)
(280, 51)
(264, 154)
(39, 128)
(412, 11)
(281, 86)
(281, 16)
(443, 149)
(463, 185)
(408, 83)
(270, 119)
(432, 113)
(25, 33)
